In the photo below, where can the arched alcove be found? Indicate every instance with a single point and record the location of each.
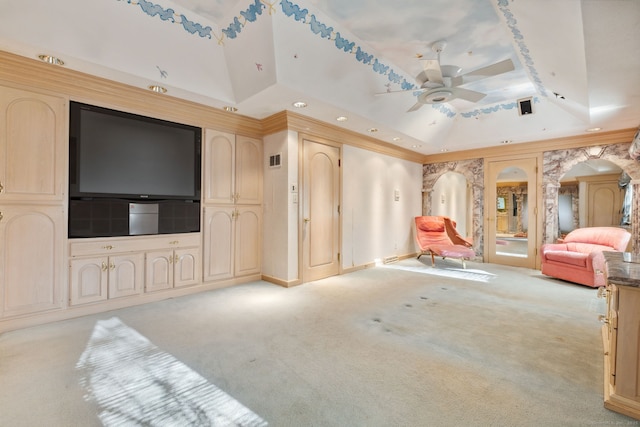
(557, 163)
(473, 172)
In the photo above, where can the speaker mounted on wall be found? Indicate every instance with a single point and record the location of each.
(525, 106)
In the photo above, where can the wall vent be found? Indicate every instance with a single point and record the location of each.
(390, 259)
(525, 106)
(274, 160)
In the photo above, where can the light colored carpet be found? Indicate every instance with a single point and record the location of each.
(396, 345)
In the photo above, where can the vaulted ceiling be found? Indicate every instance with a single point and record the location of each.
(577, 61)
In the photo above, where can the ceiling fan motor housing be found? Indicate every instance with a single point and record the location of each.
(436, 96)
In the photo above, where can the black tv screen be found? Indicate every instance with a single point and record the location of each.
(121, 155)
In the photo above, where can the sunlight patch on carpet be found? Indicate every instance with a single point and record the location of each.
(454, 273)
(134, 383)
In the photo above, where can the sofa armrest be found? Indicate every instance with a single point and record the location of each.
(551, 247)
(596, 262)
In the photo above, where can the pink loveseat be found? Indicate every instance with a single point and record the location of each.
(579, 258)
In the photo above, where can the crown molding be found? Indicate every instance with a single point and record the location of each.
(534, 147)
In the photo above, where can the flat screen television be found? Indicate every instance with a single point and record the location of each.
(123, 155)
(126, 170)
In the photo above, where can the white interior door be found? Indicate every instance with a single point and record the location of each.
(320, 211)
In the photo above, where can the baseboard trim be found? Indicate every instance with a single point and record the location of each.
(72, 312)
(280, 282)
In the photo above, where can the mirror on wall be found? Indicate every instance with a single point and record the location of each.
(592, 194)
(512, 216)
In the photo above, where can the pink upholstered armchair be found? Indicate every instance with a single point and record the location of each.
(436, 235)
(579, 258)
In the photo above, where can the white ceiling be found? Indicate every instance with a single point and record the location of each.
(338, 56)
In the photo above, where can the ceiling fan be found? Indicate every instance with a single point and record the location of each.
(441, 83)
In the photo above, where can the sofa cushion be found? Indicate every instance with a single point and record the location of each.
(566, 257)
(452, 251)
(433, 224)
(611, 237)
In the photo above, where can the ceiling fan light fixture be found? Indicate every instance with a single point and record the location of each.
(437, 96)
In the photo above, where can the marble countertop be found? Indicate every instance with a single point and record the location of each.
(623, 268)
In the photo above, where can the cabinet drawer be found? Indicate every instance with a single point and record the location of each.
(89, 247)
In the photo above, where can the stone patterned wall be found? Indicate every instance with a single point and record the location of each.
(473, 171)
(557, 163)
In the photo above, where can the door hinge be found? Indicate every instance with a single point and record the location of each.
(338, 256)
(339, 162)
(338, 209)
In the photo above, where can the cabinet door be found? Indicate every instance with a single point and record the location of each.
(126, 275)
(186, 267)
(219, 161)
(89, 280)
(248, 241)
(31, 259)
(159, 270)
(248, 171)
(218, 231)
(32, 145)
(627, 353)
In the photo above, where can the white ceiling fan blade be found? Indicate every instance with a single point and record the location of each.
(397, 91)
(488, 71)
(432, 71)
(467, 95)
(415, 107)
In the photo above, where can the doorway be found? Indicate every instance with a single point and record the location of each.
(511, 213)
(320, 211)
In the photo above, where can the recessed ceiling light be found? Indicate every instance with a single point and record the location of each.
(51, 59)
(506, 141)
(444, 150)
(299, 104)
(397, 138)
(158, 89)
(342, 118)
(372, 130)
(596, 129)
(229, 109)
(416, 146)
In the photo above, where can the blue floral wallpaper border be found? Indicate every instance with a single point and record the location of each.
(294, 11)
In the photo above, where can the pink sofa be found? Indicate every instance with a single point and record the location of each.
(579, 257)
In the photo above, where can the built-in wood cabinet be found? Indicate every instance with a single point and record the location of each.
(166, 269)
(232, 225)
(100, 278)
(31, 258)
(33, 129)
(232, 241)
(107, 268)
(33, 146)
(233, 169)
(621, 336)
(46, 276)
